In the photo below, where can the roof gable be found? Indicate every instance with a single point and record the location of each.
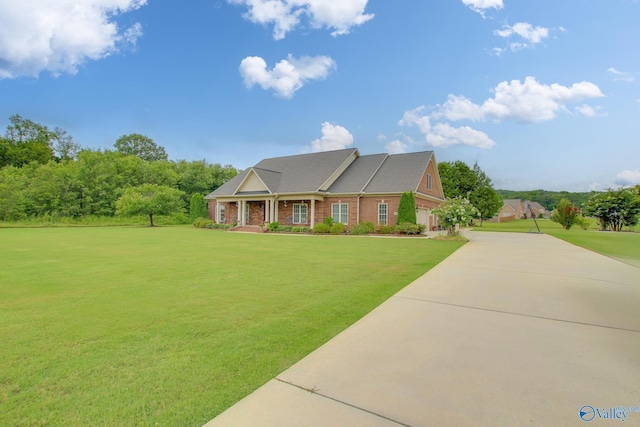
(252, 183)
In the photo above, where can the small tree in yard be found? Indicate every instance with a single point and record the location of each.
(487, 201)
(615, 209)
(565, 214)
(150, 199)
(407, 209)
(198, 207)
(457, 211)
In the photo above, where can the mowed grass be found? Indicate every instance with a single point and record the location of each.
(126, 326)
(624, 246)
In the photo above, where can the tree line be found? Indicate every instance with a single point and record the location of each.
(46, 173)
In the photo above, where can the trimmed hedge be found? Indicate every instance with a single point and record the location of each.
(386, 229)
(202, 222)
(321, 228)
(337, 228)
(408, 228)
(363, 228)
(214, 226)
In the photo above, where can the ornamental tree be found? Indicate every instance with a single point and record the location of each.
(407, 209)
(457, 211)
(565, 214)
(614, 209)
(150, 199)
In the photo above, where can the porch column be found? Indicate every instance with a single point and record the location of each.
(275, 210)
(266, 211)
(313, 213)
(243, 211)
(272, 211)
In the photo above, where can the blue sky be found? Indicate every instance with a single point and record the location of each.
(542, 94)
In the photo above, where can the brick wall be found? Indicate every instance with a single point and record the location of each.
(369, 209)
(423, 188)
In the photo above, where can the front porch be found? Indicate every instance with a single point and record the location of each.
(262, 211)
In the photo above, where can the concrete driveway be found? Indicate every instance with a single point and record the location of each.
(511, 330)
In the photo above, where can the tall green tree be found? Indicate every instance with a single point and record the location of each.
(407, 209)
(53, 190)
(12, 198)
(150, 200)
(487, 202)
(198, 207)
(473, 184)
(201, 177)
(458, 179)
(24, 142)
(64, 146)
(141, 146)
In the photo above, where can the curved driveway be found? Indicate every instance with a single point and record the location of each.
(512, 329)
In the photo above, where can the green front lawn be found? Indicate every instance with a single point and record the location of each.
(125, 326)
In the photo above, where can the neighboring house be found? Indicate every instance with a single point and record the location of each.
(538, 210)
(305, 189)
(511, 209)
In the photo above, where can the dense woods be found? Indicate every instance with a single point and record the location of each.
(46, 174)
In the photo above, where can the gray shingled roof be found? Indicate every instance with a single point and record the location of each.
(399, 173)
(303, 173)
(516, 204)
(358, 174)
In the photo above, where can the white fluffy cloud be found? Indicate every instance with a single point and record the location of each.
(527, 33)
(59, 36)
(285, 15)
(334, 137)
(625, 178)
(396, 147)
(525, 102)
(442, 134)
(481, 6)
(288, 75)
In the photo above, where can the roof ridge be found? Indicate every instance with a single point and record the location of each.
(263, 169)
(308, 154)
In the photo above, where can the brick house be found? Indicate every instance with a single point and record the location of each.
(511, 209)
(303, 190)
(536, 209)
